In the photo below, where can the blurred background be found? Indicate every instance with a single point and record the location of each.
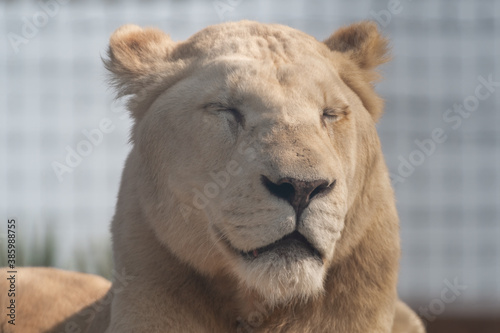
(440, 133)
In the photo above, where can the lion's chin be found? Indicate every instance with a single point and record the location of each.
(287, 270)
(282, 278)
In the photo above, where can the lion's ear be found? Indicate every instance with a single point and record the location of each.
(138, 59)
(362, 43)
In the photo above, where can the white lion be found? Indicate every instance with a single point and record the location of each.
(256, 197)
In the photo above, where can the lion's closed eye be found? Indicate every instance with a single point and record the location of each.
(233, 112)
(333, 114)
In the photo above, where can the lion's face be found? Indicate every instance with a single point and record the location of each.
(254, 154)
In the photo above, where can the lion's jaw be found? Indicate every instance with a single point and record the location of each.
(291, 268)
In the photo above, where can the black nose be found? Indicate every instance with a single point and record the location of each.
(298, 192)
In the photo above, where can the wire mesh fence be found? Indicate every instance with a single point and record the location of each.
(440, 132)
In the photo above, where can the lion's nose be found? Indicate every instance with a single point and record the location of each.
(298, 192)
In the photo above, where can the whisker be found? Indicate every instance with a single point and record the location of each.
(214, 244)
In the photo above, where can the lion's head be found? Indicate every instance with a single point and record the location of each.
(252, 142)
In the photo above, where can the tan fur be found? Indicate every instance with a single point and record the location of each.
(406, 320)
(366, 48)
(213, 115)
(46, 296)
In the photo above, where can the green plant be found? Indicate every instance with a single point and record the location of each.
(42, 250)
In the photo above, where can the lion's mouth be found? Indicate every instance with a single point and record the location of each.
(284, 246)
